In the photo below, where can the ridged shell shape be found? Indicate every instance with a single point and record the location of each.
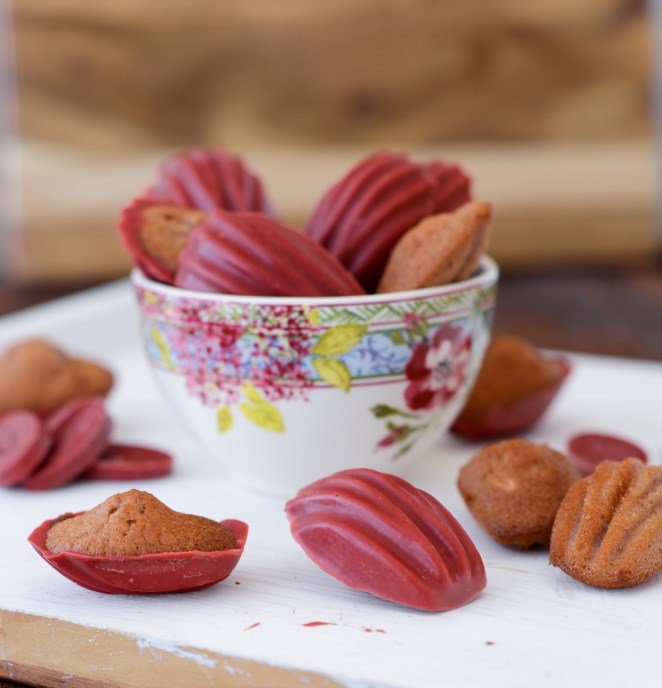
(362, 217)
(198, 179)
(209, 180)
(251, 254)
(377, 533)
(608, 529)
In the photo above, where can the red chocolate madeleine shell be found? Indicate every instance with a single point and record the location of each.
(147, 573)
(196, 180)
(377, 533)
(504, 421)
(77, 443)
(363, 216)
(24, 444)
(210, 179)
(252, 254)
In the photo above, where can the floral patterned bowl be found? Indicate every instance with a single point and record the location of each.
(287, 390)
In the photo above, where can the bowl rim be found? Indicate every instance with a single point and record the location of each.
(488, 274)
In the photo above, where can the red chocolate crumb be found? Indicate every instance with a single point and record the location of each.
(312, 624)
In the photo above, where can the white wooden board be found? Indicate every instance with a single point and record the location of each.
(533, 625)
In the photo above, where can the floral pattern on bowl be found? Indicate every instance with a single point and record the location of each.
(404, 362)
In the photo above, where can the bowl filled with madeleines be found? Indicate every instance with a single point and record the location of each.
(290, 353)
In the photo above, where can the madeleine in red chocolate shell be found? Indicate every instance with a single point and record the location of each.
(155, 226)
(133, 544)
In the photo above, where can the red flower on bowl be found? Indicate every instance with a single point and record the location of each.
(438, 367)
(165, 572)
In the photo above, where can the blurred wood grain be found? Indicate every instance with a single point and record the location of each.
(556, 205)
(133, 73)
(547, 105)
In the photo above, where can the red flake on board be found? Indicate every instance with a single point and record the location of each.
(312, 624)
(255, 625)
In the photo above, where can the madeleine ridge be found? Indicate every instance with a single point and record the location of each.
(377, 533)
(252, 254)
(608, 529)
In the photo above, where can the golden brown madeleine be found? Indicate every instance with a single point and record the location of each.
(439, 249)
(36, 375)
(514, 488)
(134, 523)
(608, 530)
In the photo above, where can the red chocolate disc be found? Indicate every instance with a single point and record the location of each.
(23, 446)
(77, 444)
(128, 462)
(589, 449)
(377, 533)
(61, 415)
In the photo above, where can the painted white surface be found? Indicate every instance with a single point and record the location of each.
(546, 628)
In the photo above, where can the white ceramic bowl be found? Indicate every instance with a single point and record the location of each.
(286, 390)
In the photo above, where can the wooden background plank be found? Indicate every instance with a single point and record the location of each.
(588, 204)
(350, 72)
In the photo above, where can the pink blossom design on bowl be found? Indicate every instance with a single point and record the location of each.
(436, 371)
(243, 359)
(437, 368)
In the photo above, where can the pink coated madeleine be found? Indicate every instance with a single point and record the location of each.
(162, 572)
(252, 254)
(362, 217)
(377, 533)
(210, 180)
(156, 225)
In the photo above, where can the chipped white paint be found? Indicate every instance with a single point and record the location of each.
(154, 646)
(235, 670)
(546, 628)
